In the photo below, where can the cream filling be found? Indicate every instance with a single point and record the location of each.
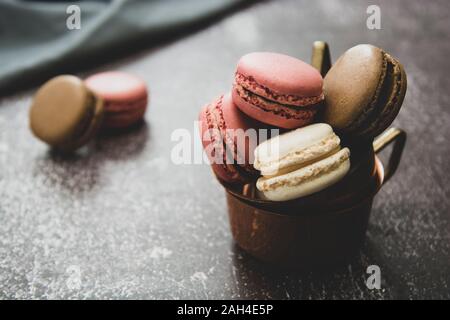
(306, 173)
(308, 187)
(299, 158)
(289, 100)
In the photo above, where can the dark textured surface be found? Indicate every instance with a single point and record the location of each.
(137, 226)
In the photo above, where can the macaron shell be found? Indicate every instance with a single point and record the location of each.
(295, 149)
(126, 118)
(306, 115)
(281, 73)
(292, 141)
(117, 86)
(352, 84)
(59, 108)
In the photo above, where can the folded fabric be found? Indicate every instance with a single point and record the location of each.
(35, 41)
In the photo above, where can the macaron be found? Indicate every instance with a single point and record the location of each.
(364, 91)
(277, 89)
(125, 97)
(230, 153)
(64, 113)
(300, 162)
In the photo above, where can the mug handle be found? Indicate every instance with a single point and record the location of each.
(396, 136)
(321, 59)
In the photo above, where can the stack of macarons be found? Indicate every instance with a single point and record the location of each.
(270, 91)
(357, 99)
(66, 112)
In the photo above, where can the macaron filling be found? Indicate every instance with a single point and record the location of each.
(118, 107)
(89, 125)
(249, 84)
(299, 158)
(80, 131)
(283, 110)
(387, 104)
(305, 173)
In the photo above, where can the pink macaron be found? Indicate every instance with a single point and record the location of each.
(277, 89)
(221, 122)
(125, 97)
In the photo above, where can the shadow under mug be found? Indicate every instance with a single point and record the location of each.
(319, 230)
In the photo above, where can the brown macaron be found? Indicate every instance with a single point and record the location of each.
(364, 91)
(64, 113)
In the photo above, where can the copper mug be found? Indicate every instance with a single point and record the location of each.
(322, 229)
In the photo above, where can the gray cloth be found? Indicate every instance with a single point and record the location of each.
(35, 41)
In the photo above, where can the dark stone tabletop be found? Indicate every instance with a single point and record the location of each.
(119, 220)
